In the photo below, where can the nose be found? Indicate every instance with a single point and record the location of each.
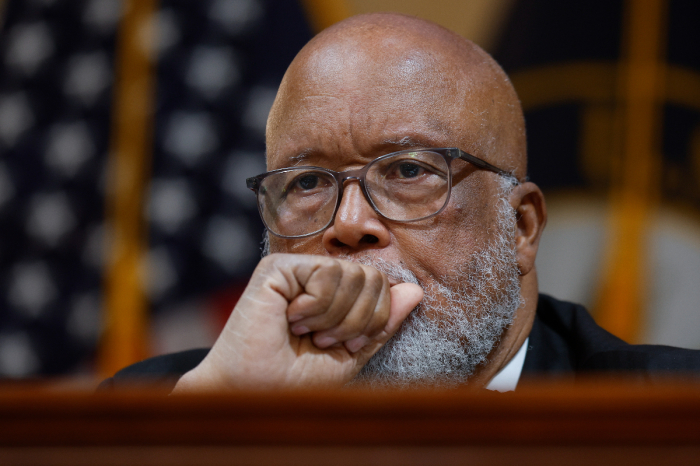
(356, 226)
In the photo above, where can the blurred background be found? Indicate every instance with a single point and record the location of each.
(128, 127)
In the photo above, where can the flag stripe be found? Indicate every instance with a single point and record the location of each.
(125, 340)
(634, 196)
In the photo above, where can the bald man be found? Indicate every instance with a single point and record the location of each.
(402, 230)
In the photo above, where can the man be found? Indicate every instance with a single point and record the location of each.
(407, 257)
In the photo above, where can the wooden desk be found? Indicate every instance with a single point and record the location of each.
(596, 423)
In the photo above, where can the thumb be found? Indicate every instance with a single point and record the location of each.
(404, 297)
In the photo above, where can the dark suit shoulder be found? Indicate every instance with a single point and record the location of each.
(563, 337)
(575, 325)
(162, 370)
(566, 339)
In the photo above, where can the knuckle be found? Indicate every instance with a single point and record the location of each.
(275, 261)
(268, 261)
(332, 267)
(375, 276)
(375, 283)
(355, 276)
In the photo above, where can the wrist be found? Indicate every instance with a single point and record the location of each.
(198, 380)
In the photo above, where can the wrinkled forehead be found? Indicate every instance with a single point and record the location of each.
(354, 100)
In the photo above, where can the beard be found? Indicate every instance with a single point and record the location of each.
(460, 319)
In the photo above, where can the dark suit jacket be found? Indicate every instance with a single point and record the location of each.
(564, 341)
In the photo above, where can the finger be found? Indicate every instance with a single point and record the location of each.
(368, 314)
(376, 324)
(318, 292)
(352, 283)
(404, 298)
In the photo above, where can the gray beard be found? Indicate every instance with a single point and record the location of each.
(473, 308)
(470, 311)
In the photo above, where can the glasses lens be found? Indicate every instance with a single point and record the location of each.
(297, 202)
(409, 185)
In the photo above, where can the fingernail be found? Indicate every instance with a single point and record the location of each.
(325, 342)
(295, 319)
(356, 344)
(300, 330)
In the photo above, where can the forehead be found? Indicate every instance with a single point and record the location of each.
(348, 106)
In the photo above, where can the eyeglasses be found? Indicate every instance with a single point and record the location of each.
(403, 186)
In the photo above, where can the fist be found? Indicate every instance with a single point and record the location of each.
(304, 321)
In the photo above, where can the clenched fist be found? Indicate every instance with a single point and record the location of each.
(303, 321)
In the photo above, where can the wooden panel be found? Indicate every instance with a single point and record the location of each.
(602, 422)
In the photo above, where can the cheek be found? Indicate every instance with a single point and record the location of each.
(310, 245)
(441, 247)
(434, 250)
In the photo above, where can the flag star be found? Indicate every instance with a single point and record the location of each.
(211, 69)
(260, 99)
(190, 136)
(69, 146)
(103, 15)
(17, 357)
(16, 117)
(171, 204)
(161, 274)
(236, 16)
(228, 243)
(28, 46)
(87, 76)
(31, 288)
(50, 217)
(168, 30)
(84, 319)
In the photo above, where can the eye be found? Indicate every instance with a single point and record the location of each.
(308, 181)
(409, 170)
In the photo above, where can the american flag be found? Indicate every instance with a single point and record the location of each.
(218, 64)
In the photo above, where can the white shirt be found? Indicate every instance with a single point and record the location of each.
(507, 378)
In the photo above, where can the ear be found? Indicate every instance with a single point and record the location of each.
(531, 214)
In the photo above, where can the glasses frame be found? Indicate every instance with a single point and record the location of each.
(449, 154)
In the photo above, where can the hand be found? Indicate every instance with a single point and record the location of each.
(304, 321)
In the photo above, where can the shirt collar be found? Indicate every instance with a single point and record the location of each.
(507, 378)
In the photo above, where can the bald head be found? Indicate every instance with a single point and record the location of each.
(388, 64)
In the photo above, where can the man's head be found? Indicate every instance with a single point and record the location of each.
(382, 83)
